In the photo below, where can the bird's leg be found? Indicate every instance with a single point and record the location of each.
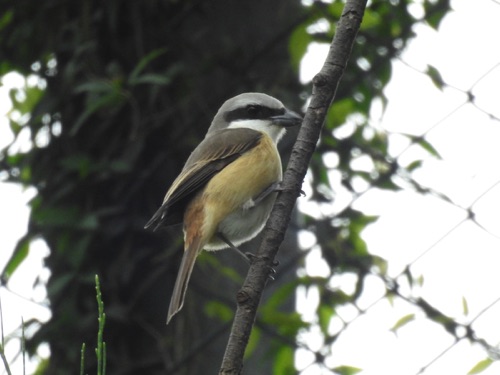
(274, 187)
(232, 246)
(247, 256)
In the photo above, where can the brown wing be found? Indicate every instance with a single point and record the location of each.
(212, 155)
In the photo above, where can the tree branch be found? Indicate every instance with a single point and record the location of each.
(325, 85)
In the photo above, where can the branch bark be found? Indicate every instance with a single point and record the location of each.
(325, 85)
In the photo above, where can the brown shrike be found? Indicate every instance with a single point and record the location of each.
(226, 190)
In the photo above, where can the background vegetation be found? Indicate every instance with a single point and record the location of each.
(125, 91)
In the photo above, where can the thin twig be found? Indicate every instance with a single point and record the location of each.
(2, 344)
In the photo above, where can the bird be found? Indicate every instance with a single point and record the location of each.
(225, 192)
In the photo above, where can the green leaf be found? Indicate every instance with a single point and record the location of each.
(408, 275)
(6, 18)
(219, 310)
(120, 166)
(425, 145)
(109, 100)
(65, 217)
(429, 148)
(287, 324)
(347, 370)
(414, 165)
(53, 216)
(96, 86)
(42, 367)
(32, 96)
(390, 298)
(59, 284)
(16, 128)
(297, 45)
(253, 342)
(77, 247)
(420, 280)
(19, 254)
(283, 364)
(384, 76)
(402, 322)
(465, 306)
(153, 79)
(280, 296)
(395, 29)
(338, 112)
(211, 263)
(435, 12)
(435, 76)
(480, 366)
(371, 19)
(336, 8)
(78, 163)
(381, 264)
(325, 314)
(145, 62)
(88, 222)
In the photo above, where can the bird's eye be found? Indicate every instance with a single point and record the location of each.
(253, 110)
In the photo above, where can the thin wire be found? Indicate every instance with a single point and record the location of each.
(469, 217)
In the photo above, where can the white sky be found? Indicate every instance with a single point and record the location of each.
(462, 265)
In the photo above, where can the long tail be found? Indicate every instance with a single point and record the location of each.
(181, 283)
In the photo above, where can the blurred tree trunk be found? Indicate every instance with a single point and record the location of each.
(133, 87)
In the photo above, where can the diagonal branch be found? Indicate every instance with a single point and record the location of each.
(325, 84)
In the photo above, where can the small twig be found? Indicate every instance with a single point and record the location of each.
(4, 360)
(2, 344)
(82, 360)
(101, 318)
(23, 345)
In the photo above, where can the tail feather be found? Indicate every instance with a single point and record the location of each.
(182, 281)
(156, 221)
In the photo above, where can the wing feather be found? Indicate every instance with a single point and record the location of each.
(212, 155)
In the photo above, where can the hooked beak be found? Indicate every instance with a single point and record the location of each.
(288, 119)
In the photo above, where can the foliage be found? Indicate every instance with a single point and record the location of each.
(124, 92)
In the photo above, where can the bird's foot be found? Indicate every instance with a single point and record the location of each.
(275, 263)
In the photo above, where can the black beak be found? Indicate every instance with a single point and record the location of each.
(287, 119)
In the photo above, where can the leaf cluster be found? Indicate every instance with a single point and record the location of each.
(122, 91)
